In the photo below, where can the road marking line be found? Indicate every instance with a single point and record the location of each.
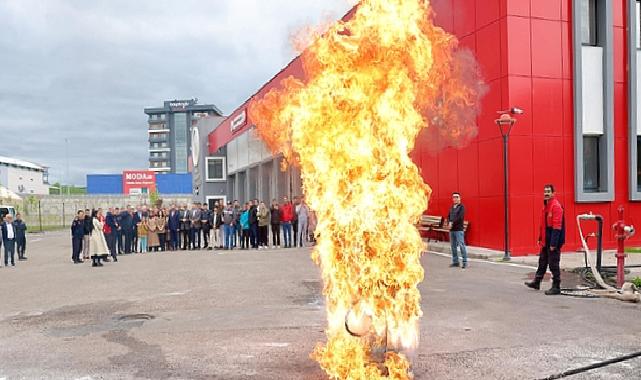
(485, 261)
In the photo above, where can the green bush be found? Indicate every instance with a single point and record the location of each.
(637, 282)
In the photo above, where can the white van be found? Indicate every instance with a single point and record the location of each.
(4, 210)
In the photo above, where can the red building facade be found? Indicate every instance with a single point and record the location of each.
(572, 66)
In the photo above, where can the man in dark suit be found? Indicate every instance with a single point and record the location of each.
(118, 231)
(77, 234)
(136, 217)
(21, 237)
(8, 239)
(205, 218)
(185, 226)
(126, 221)
(195, 226)
(174, 227)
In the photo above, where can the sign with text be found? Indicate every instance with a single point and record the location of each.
(239, 121)
(138, 181)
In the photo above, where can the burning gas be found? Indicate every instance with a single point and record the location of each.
(372, 83)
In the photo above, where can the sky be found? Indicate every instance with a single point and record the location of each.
(83, 71)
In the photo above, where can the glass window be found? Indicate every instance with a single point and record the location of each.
(591, 164)
(215, 169)
(638, 14)
(181, 131)
(588, 23)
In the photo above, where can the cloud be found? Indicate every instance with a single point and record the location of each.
(84, 70)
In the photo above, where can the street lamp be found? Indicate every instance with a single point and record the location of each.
(505, 123)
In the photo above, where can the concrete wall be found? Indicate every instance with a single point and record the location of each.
(59, 210)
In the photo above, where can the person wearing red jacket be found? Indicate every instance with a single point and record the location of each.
(551, 239)
(287, 214)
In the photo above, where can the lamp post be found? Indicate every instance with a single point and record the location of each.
(505, 123)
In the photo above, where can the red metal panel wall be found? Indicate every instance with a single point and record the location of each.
(524, 49)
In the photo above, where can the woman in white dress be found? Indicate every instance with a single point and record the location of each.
(99, 249)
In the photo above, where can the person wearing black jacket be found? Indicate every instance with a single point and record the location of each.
(117, 220)
(185, 226)
(86, 239)
(77, 234)
(456, 218)
(136, 217)
(21, 237)
(295, 209)
(253, 224)
(126, 222)
(275, 222)
(205, 217)
(216, 222)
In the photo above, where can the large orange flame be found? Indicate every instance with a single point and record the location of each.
(371, 84)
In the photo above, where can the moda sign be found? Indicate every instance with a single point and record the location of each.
(139, 181)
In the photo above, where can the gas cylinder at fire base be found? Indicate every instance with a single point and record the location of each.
(360, 325)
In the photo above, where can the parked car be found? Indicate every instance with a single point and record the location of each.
(4, 210)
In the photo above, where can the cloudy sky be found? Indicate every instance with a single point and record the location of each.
(84, 70)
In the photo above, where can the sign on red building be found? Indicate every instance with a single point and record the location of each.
(138, 182)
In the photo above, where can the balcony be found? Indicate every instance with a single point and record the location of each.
(158, 138)
(165, 169)
(158, 159)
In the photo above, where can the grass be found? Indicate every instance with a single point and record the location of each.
(633, 250)
(36, 229)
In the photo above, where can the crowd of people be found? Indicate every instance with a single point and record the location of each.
(13, 235)
(98, 235)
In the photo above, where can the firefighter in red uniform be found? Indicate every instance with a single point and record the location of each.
(551, 239)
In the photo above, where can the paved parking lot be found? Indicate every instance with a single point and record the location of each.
(258, 315)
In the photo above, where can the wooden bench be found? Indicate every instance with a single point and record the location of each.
(444, 229)
(428, 224)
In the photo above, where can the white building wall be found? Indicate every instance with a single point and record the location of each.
(23, 181)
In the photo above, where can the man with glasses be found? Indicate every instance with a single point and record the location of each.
(456, 218)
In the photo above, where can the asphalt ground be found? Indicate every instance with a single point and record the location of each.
(258, 315)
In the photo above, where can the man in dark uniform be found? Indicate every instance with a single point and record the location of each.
(21, 237)
(77, 234)
(551, 239)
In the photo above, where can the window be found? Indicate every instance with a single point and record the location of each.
(215, 169)
(588, 23)
(591, 164)
(638, 14)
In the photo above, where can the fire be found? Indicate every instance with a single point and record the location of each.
(373, 82)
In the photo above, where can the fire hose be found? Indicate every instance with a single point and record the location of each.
(628, 291)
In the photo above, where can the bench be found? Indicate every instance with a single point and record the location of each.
(429, 223)
(444, 229)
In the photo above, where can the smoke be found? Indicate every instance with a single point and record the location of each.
(451, 120)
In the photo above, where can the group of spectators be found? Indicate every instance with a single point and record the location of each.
(13, 235)
(98, 235)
